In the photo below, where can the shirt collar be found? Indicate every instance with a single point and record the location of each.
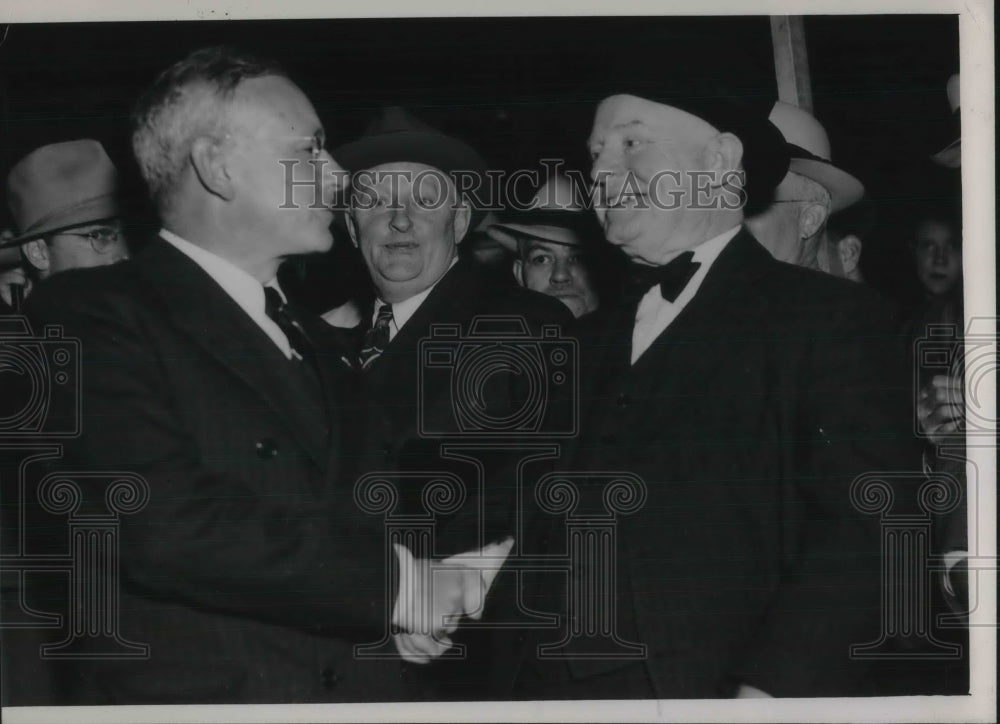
(402, 311)
(246, 291)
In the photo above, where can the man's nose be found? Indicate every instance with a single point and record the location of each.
(605, 164)
(560, 273)
(400, 220)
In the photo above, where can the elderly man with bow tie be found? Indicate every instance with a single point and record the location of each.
(747, 394)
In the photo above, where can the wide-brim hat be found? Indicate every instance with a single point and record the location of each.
(809, 152)
(951, 155)
(555, 214)
(61, 186)
(397, 136)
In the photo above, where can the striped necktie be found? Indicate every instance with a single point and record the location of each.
(376, 338)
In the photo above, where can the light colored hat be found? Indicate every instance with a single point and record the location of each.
(555, 214)
(951, 155)
(60, 186)
(809, 147)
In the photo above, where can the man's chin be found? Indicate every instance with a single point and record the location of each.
(573, 302)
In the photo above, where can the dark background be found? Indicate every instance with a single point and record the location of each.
(521, 89)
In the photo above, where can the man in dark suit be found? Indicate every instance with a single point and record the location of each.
(251, 573)
(747, 394)
(408, 218)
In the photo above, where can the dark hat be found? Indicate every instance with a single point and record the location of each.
(556, 214)
(60, 186)
(396, 135)
(742, 113)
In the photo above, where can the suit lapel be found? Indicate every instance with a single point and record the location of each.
(395, 375)
(686, 355)
(202, 310)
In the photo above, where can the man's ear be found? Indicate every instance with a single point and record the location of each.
(352, 228)
(36, 252)
(208, 159)
(812, 218)
(723, 153)
(849, 251)
(518, 270)
(463, 216)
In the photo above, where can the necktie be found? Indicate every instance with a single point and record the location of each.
(377, 338)
(672, 277)
(282, 315)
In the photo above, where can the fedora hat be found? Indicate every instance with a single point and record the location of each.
(555, 214)
(809, 148)
(60, 186)
(396, 135)
(951, 155)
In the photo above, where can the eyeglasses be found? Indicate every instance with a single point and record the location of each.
(101, 240)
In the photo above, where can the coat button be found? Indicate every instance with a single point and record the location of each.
(266, 448)
(623, 400)
(329, 678)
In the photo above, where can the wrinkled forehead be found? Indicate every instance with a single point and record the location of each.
(620, 113)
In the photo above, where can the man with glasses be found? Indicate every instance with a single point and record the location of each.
(63, 198)
(794, 227)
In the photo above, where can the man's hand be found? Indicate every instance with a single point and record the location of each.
(941, 407)
(434, 595)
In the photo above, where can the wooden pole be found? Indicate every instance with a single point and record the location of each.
(791, 61)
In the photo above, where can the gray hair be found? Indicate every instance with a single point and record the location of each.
(186, 101)
(806, 189)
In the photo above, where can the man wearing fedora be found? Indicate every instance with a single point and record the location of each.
(554, 243)
(251, 573)
(747, 395)
(64, 200)
(408, 218)
(792, 227)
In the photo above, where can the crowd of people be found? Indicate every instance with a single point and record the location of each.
(729, 357)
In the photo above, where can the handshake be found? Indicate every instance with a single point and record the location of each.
(435, 595)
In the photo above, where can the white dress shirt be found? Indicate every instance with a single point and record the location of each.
(402, 311)
(655, 313)
(246, 291)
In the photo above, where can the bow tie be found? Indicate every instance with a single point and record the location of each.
(672, 277)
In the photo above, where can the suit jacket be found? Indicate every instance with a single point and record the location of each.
(251, 572)
(406, 405)
(410, 403)
(748, 418)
